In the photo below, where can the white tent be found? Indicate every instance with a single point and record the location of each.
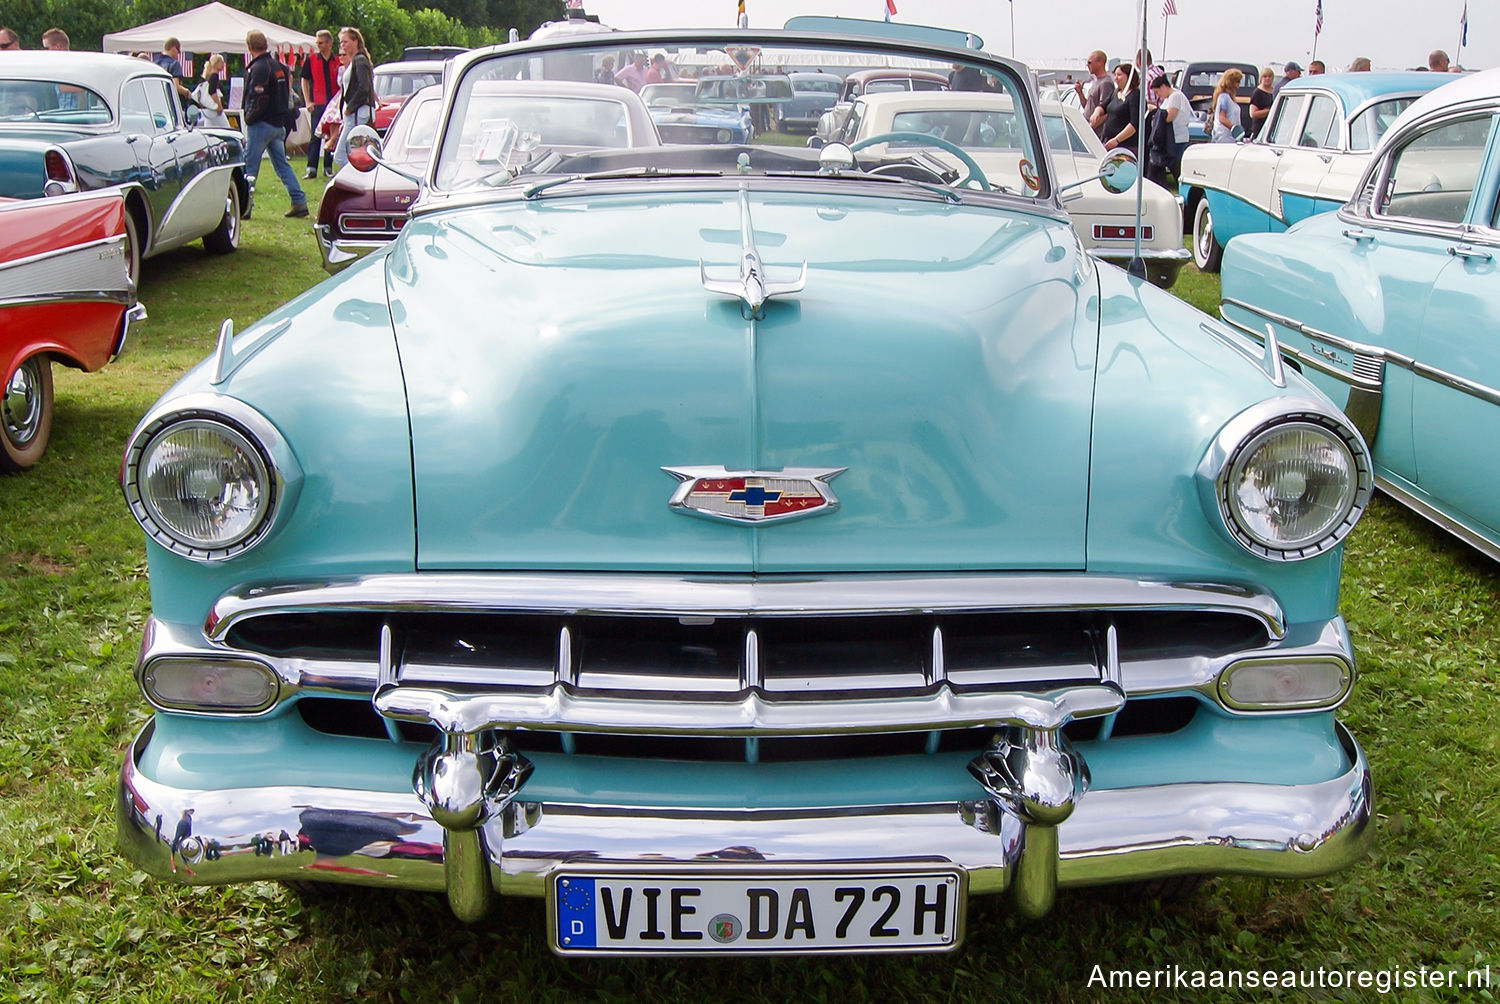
(214, 27)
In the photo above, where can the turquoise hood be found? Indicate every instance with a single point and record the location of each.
(558, 353)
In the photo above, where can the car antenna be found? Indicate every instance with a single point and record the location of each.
(1137, 263)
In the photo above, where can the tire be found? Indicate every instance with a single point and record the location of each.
(226, 236)
(1207, 251)
(26, 414)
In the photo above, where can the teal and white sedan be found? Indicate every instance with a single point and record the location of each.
(1306, 160)
(742, 547)
(1391, 306)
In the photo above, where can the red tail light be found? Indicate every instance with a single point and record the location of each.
(58, 168)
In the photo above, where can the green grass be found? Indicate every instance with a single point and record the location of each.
(78, 923)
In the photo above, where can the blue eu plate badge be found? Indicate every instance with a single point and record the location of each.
(575, 913)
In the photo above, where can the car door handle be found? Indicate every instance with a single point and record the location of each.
(1355, 234)
(1325, 158)
(1470, 253)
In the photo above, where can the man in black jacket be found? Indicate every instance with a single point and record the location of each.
(268, 90)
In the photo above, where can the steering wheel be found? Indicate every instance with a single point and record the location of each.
(975, 172)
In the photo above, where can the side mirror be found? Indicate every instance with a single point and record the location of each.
(193, 116)
(1118, 171)
(364, 149)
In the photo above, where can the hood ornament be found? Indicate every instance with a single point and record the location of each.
(751, 286)
(754, 496)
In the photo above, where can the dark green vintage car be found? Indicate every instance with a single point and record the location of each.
(79, 121)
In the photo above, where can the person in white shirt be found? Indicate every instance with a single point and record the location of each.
(1173, 115)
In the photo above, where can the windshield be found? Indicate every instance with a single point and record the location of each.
(393, 84)
(606, 104)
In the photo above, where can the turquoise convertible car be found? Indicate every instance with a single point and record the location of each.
(1391, 306)
(743, 548)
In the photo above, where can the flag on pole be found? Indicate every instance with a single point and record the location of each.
(1318, 20)
(1168, 8)
(741, 18)
(1463, 26)
(890, 9)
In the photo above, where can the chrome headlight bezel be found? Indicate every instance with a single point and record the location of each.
(239, 423)
(1251, 429)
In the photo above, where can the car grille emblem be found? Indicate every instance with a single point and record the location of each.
(754, 496)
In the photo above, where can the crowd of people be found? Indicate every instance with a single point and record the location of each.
(1111, 102)
(337, 90)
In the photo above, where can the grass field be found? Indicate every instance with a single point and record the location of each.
(77, 923)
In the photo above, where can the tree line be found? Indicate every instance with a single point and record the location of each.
(387, 25)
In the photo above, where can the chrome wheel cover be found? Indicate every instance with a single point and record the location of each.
(1203, 234)
(232, 217)
(21, 404)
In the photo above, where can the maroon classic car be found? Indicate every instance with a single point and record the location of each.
(66, 297)
(364, 211)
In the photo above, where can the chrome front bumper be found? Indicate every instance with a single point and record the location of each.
(340, 254)
(391, 839)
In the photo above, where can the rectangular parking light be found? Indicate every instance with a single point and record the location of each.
(1285, 684)
(176, 683)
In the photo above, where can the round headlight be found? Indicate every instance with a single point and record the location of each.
(724, 136)
(203, 487)
(1294, 487)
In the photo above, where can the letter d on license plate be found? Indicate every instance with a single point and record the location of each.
(717, 910)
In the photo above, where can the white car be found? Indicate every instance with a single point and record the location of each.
(1307, 160)
(982, 124)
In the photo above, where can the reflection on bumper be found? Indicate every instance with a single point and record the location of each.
(1162, 264)
(390, 839)
(340, 254)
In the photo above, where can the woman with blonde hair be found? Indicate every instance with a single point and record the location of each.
(1226, 110)
(212, 94)
(1260, 101)
(356, 89)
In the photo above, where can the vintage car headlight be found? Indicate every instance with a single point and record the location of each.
(200, 484)
(724, 135)
(1288, 485)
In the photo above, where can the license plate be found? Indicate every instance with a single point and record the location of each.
(764, 911)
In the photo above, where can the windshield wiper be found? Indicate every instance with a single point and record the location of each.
(534, 189)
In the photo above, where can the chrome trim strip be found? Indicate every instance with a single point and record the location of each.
(722, 595)
(1172, 255)
(1114, 835)
(88, 272)
(1483, 392)
(743, 714)
(1484, 545)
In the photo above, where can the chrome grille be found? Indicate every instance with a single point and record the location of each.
(742, 656)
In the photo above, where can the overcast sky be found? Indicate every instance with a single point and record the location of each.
(1393, 33)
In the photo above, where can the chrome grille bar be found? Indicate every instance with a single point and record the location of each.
(570, 594)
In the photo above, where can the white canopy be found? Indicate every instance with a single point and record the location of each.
(214, 27)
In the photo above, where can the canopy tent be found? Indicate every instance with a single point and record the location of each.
(214, 27)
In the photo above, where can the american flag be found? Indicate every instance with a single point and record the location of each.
(1463, 27)
(1318, 19)
(575, 4)
(1168, 8)
(890, 9)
